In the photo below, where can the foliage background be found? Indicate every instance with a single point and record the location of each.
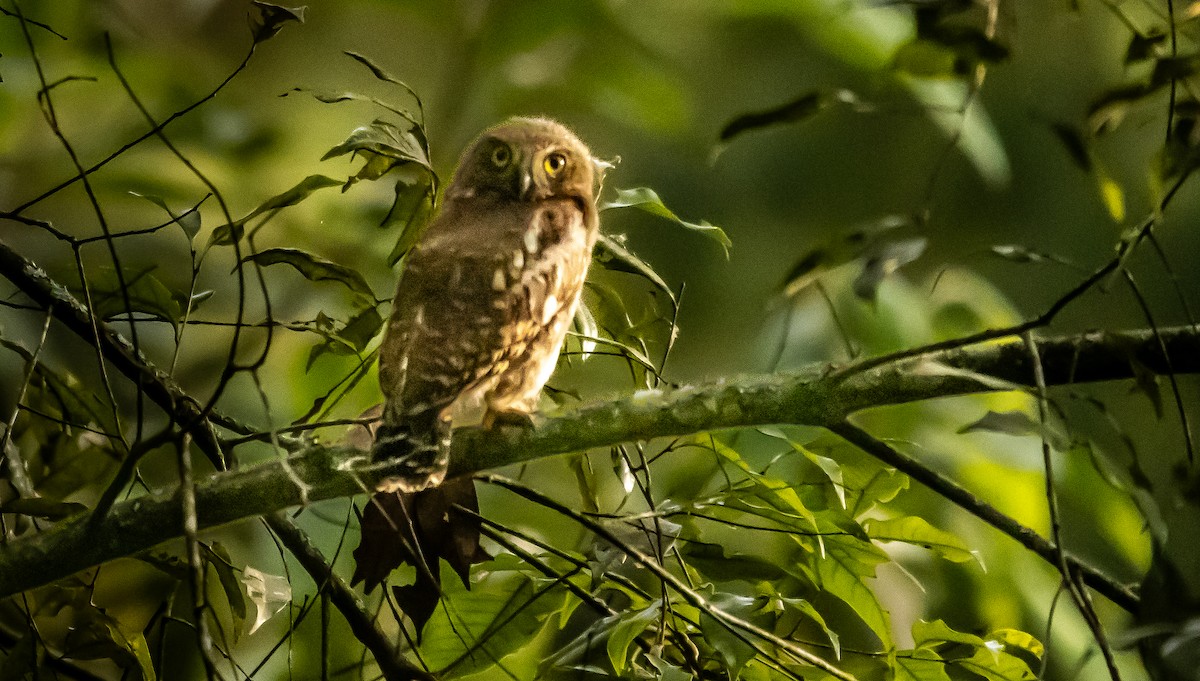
(655, 83)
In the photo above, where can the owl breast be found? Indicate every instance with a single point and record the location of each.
(539, 284)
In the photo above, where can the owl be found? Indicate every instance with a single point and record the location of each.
(487, 294)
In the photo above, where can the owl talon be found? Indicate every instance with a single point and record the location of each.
(501, 419)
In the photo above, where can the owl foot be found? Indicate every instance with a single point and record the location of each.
(515, 419)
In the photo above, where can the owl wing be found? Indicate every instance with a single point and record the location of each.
(474, 297)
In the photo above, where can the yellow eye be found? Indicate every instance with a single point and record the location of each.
(501, 156)
(554, 164)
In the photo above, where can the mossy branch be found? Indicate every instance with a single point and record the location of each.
(809, 398)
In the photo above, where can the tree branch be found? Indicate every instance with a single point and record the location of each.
(809, 398)
(391, 664)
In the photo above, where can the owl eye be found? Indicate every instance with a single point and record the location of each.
(501, 155)
(554, 164)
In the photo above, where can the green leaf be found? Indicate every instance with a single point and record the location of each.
(880, 486)
(339, 97)
(1013, 638)
(384, 146)
(666, 670)
(271, 19)
(844, 248)
(351, 339)
(612, 255)
(1018, 423)
(734, 652)
(411, 210)
(921, 664)
(96, 635)
(21, 661)
(189, 221)
(502, 614)
(800, 108)
(936, 633)
(1111, 195)
(884, 260)
(629, 626)
(1073, 140)
(227, 234)
(221, 562)
(644, 198)
(916, 530)
(145, 293)
(843, 571)
(314, 268)
(383, 75)
(995, 665)
(776, 603)
(927, 59)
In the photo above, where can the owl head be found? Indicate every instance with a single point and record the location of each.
(525, 159)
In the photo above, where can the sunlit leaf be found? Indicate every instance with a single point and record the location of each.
(843, 572)
(994, 665)
(1013, 638)
(921, 664)
(918, 531)
(644, 198)
(314, 268)
(500, 615)
(882, 485)
(936, 633)
(1113, 197)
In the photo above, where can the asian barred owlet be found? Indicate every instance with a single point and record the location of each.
(487, 294)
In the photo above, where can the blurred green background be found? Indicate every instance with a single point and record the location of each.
(654, 83)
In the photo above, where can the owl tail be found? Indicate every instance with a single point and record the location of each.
(419, 447)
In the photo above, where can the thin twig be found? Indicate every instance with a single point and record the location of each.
(1069, 575)
(391, 664)
(735, 625)
(959, 496)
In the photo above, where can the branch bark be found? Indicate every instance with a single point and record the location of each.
(809, 398)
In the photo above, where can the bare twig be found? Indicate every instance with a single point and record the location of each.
(391, 664)
(1070, 577)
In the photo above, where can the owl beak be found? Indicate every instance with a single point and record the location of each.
(524, 184)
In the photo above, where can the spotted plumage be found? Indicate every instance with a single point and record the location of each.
(487, 294)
